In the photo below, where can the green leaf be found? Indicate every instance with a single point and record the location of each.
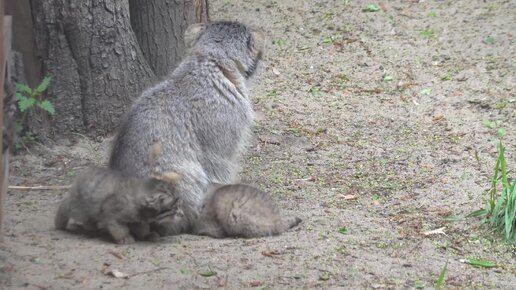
(47, 106)
(488, 124)
(440, 280)
(500, 132)
(427, 32)
(279, 42)
(343, 230)
(22, 88)
(426, 92)
(329, 39)
(489, 40)
(371, 8)
(325, 276)
(315, 91)
(387, 78)
(26, 103)
(271, 93)
(43, 85)
(208, 273)
(478, 213)
(18, 96)
(419, 285)
(431, 14)
(479, 263)
(446, 78)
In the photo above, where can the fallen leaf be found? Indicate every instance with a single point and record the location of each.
(117, 274)
(272, 254)
(377, 202)
(116, 254)
(436, 231)
(437, 118)
(349, 196)
(256, 283)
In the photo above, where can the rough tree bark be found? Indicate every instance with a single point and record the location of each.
(97, 66)
(94, 59)
(159, 26)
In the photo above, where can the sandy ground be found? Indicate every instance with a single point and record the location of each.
(368, 124)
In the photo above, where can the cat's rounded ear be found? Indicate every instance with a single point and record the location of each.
(258, 40)
(192, 34)
(170, 177)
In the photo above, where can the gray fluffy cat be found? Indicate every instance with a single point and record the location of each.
(201, 116)
(239, 210)
(103, 199)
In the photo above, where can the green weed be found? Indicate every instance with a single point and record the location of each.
(371, 8)
(29, 99)
(489, 40)
(479, 263)
(315, 91)
(388, 78)
(500, 212)
(440, 280)
(427, 32)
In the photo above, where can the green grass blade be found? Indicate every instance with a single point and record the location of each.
(498, 210)
(503, 169)
(479, 263)
(478, 213)
(510, 213)
(440, 280)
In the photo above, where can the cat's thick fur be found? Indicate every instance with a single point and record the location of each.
(101, 198)
(201, 115)
(239, 210)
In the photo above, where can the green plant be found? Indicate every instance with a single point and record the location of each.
(489, 40)
(500, 212)
(371, 8)
(315, 91)
(440, 281)
(427, 32)
(29, 99)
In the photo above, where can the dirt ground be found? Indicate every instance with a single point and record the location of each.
(369, 127)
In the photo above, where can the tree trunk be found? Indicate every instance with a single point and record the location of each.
(94, 59)
(97, 66)
(159, 26)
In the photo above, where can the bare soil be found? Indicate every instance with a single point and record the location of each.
(369, 127)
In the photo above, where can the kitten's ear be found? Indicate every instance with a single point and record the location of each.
(164, 179)
(192, 34)
(170, 177)
(258, 41)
